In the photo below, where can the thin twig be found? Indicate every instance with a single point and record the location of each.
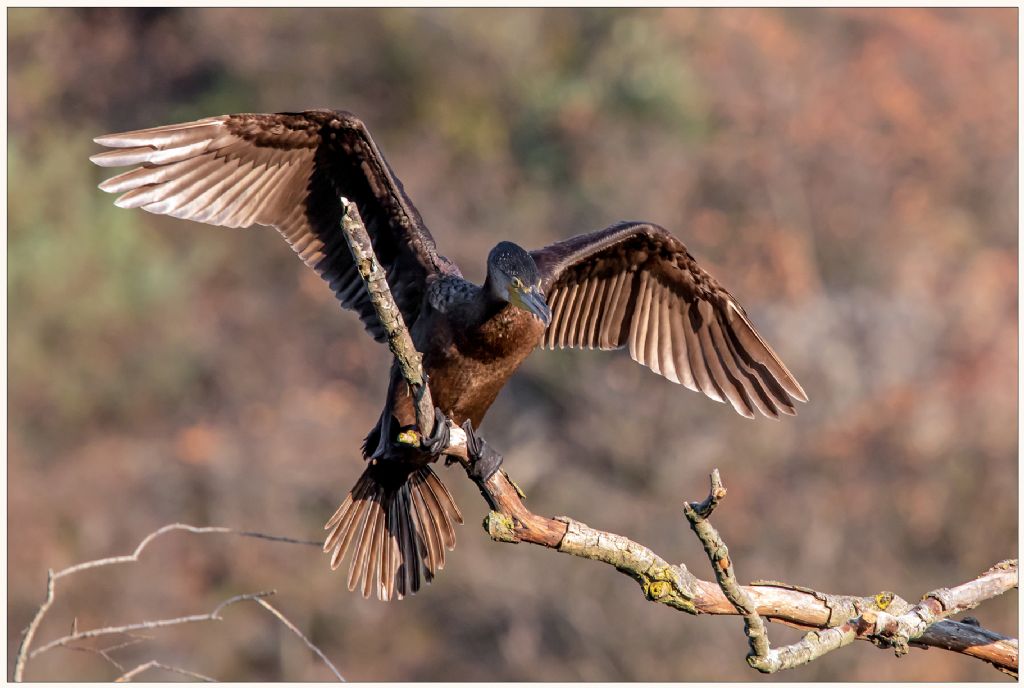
(294, 629)
(51, 577)
(143, 625)
(153, 664)
(104, 652)
(100, 653)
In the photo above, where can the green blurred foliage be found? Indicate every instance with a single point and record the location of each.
(851, 175)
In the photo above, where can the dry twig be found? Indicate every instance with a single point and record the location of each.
(836, 620)
(152, 664)
(294, 629)
(25, 651)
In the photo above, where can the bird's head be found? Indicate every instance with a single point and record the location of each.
(513, 277)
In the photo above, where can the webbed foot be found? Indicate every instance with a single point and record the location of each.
(440, 439)
(483, 460)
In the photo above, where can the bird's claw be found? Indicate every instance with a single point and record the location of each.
(483, 460)
(440, 439)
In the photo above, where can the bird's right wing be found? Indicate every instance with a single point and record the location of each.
(287, 171)
(635, 284)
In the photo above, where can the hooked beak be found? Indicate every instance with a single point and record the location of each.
(532, 301)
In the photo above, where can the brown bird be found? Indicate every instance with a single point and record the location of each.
(631, 285)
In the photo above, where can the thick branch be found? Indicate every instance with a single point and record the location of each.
(399, 340)
(836, 619)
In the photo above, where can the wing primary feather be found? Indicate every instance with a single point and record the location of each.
(567, 312)
(730, 387)
(772, 389)
(610, 327)
(596, 313)
(694, 355)
(678, 322)
(625, 310)
(555, 305)
(667, 360)
(653, 344)
(222, 209)
(123, 157)
(190, 201)
(753, 343)
(638, 328)
(739, 370)
(165, 136)
(153, 193)
(579, 321)
(143, 176)
(163, 156)
(572, 337)
(250, 205)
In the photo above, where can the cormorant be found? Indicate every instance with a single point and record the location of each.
(630, 285)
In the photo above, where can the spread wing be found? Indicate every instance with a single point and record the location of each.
(635, 284)
(287, 171)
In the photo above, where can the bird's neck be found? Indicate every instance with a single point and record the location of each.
(493, 301)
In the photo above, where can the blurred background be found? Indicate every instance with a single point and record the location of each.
(850, 175)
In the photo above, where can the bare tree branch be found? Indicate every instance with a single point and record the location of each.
(875, 624)
(25, 651)
(143, 625)
(152, 664)
(399, 340)
(836, 620)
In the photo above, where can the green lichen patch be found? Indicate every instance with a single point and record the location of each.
(409, 437)
(884, 599)
(500, 527)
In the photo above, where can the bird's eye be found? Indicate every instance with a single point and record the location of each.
(517, 283)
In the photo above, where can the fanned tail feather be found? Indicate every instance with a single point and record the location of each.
(399, 521)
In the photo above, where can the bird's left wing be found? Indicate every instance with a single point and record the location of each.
(285, 170)
(635, 284)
